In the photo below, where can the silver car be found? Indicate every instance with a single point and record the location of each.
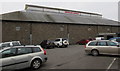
(19, 57)
(10, 44)
(97, 47)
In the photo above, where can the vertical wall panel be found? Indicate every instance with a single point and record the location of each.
(114, 29)
(0, 31)
(13, 31)
(78, 32)
(104, 29)
(43, 31)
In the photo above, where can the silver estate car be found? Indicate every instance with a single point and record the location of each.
(19, 57)
(97, 47)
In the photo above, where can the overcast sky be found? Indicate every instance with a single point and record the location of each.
(108, 8)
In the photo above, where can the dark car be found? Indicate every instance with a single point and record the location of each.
(83, 41)
(47, 44)
(117, 39)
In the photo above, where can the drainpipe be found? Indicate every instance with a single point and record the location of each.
(30, 34)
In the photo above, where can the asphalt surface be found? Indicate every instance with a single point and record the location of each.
(75, 58)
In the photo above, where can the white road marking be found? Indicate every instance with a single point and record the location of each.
(111, 64)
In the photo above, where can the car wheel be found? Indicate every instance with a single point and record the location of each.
(63, 46)
(95, 53)
(36, 64)
(66, 46)
(58, 45)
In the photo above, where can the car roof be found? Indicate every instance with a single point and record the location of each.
(101, 40)
(10, 41)
(19, 46)
(28, 46)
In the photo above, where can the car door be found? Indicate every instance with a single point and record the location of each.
(23, 57)
(102, 47)
(113, 49)
(7, 58)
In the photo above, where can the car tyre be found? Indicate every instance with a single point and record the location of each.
(36, 64)
(65, 46)
(95, 53)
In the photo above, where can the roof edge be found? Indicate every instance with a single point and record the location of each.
(27, 5)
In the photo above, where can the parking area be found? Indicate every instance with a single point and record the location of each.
(74, 57)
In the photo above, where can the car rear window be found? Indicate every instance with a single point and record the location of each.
(36, 49)
(111, 44)
(92, 44)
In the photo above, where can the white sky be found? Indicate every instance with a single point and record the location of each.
(108, 8)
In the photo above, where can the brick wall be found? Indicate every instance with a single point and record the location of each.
(41, 31)
(12, 31)
(0, 31)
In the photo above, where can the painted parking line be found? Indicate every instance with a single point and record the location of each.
(111, 64)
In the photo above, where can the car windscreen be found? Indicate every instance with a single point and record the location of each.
(57, 40)
(100, 36)
(109, 43)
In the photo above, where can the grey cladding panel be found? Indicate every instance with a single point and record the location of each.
(56, 17)
(102, 21)
(59, 18)
(80, 20)
(29, 16)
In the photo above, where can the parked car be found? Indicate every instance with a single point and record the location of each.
(47, 44)
(61, 42)
(97, 47)
(82, 42)
(100, 37)
(117, 39)
(10, 44)
(19, 57)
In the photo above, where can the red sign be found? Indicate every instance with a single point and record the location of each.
(71, 12)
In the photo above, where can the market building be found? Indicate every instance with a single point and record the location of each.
(37, 23)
